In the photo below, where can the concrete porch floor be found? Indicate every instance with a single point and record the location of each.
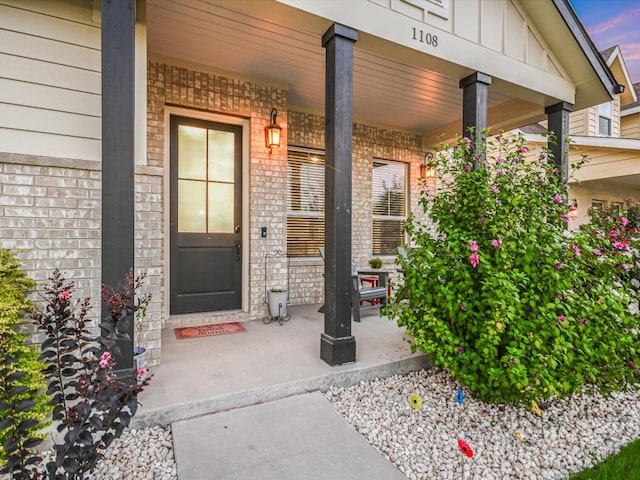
(210, 374)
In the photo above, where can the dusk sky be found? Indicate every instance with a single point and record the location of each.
(614, 22)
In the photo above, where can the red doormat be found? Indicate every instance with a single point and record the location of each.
(208, 330)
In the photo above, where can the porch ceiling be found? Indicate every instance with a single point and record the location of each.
(276, 44)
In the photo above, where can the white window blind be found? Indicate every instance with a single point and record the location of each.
(305, 201)
(389, 200)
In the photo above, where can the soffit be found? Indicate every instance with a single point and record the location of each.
(280, 45)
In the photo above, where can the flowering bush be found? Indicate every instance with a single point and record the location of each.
(617, 229)
(500, 293)
(90, 405)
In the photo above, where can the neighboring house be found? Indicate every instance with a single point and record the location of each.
(608, 134)
(132, 133)
(630, 116)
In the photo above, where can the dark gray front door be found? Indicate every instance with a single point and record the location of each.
(206, 209)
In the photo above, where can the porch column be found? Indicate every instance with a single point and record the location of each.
(475, 93)
(118, 191)
(337, 345)
(558, 121)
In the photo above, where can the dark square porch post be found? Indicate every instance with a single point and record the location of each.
(337, 345)
(475, 95)
(558, 121)
(118, 194)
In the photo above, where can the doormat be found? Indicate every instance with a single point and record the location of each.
(209, 330)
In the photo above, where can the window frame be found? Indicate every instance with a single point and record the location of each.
(305, 214)
(392, 218)
(608, 116)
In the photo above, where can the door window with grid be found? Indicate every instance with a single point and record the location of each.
(305, 201)
(389, 200)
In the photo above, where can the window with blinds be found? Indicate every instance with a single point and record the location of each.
(305, 201)
(389, 200)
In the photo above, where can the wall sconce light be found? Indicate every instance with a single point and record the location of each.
(272, 132)
(573, 211)
(427, 167)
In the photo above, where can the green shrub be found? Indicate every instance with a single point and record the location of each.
(501, 294)
(375, 263)
(14, 285)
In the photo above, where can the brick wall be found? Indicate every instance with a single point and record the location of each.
(307, 130)
(50, 217)
(170, 85)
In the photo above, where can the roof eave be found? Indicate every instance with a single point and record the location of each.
(589, 49)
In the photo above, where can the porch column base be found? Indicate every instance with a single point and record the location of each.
(337, 351)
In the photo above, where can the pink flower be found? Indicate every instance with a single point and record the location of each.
(624, 266)
(583, 321)
(621, 246)
(565, 218)
(632, 364)
(473, 246)
(624, 221)
(467, 141)
(597, 252)
(474, 258)
(495, 190)
(561, 318)
(524, 149)
(460, 350)
(560, 297)
(496, 242)
(502, 171)
(500, 160)
(554, 171)
(576, 250)
(142, 372)
(65, 295)
(467, 168)
(463, 307)
(105, 360)
(558, 266)
(557, 198)
(481, 219)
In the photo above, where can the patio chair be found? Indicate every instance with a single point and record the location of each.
(375, 296)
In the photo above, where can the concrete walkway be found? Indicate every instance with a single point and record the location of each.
(300, 437)
(240, 405)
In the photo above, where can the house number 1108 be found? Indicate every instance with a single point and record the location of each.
(428, 38)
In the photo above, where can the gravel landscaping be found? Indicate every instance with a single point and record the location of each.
(507, 442)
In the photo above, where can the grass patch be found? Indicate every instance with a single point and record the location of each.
(624, 465)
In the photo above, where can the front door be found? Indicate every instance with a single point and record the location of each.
(206, 209)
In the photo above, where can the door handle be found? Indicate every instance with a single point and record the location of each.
(237, 228)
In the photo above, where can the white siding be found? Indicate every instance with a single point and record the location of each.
(50, 79)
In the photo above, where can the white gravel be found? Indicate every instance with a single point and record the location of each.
(508, 442)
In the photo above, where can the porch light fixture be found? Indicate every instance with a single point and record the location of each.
(573, 211)
(272, 132)
(427, 167)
